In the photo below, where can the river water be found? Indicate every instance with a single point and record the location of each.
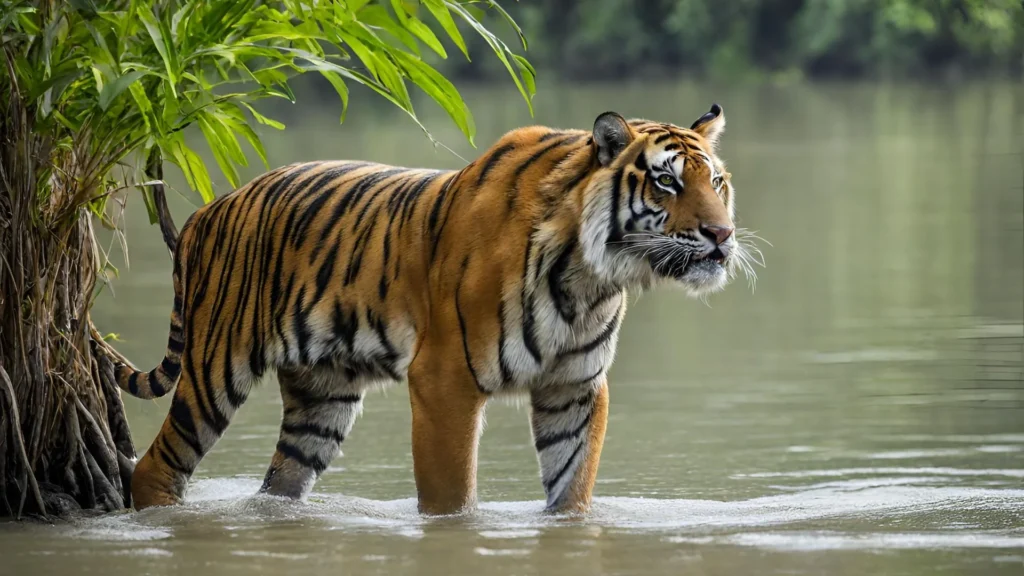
(860, 411)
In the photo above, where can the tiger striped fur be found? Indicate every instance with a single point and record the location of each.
(506, 277)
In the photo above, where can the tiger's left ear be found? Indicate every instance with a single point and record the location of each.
(611, 135)
(711, 125)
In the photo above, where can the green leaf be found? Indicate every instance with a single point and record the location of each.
(114, 89)
(166, 51)
(417, 27)
(219, 149)
(227, 139)
(340, 88)
(444, 18)
(511, 22)
(441, 90)
(191, 166)
(499, 48)
(527, 72)
(254, 140)
(378, 16)
(142, 102)
(263, 119)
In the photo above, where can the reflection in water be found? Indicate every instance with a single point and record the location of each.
(866, 398)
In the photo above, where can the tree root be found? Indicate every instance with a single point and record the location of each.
(7, 389)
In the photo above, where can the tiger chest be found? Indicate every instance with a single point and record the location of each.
(546, 343)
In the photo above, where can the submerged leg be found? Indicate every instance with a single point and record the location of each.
(568, 432)
(320, 408)
(207, 396)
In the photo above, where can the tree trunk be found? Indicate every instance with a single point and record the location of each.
(64, 439)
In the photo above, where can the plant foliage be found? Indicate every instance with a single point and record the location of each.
(117, 82)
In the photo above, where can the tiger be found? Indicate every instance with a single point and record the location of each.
(508, 277)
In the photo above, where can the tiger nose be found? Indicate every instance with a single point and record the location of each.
(717, 233)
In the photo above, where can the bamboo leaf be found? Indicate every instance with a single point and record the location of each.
(440, 90)
(378, 16)
(160, 42)
(219, 149)
(114, 89)
(444, 18)
(340, 88)
(499, 48)
(191, 165)
(417, 27)
(263, 119)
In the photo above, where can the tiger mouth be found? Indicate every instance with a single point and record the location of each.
(680, 265)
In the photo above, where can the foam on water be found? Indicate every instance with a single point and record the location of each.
(776, 521)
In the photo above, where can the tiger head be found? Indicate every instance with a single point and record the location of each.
(660, 205)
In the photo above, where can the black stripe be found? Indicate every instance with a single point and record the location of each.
(529, 338)
(171, 459)
(307, 398)
(436, 210)
(506, 371)
(359, 249)
(543, 442)
(440, 230)
(641, 162)
(513, 192)
(301, 329)
(662, 138)
(171, 368)
(215, 418)
(210, 414)
(492, 160)
(133, 383)
(176, 346)
(376, 192)
(154, 384)
(344, 325)
(581, 401)
(554, 481)
(563, 303)
(310, 212)
(278, 317)
(377, 321)
(292, 452)
(601, 338)
(408, 206)
(632, 181)
(462, 328)
(183, 423)
(235, 396)
(311, 429)
(583, 173)
(326, 272)
(614, 229)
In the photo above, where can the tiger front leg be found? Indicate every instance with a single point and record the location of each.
(447, 410)
(568, 425)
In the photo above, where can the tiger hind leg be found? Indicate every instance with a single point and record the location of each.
(320, 408)
(207, 396)
(568, 425)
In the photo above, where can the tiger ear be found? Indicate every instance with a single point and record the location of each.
(611, 135)
(711, 125)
